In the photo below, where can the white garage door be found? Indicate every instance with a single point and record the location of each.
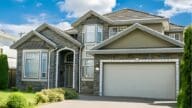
(145, 80)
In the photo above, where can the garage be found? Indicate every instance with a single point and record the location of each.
(142, 80)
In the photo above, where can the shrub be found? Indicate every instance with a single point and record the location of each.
(17, 100)
(54, 95)
(29, 88)
(14, 89)
(70, 93)
(41, 98)
(3, 72)
(2, 103)
(185, 94)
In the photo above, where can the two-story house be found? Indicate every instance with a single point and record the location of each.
(123, 53)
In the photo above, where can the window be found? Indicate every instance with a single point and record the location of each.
(88, 69)
(175, 36)
(35, 64)
(115, 30)
(93, 33)
(44, 62)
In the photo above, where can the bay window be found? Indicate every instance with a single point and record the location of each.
(35, 63)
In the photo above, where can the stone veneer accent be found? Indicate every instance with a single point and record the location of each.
(125, 57)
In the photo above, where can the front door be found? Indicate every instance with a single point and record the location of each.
(68, 70)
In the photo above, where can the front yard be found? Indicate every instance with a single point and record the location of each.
(22, 99)
(5, 94)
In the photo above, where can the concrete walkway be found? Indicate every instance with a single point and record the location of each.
(110, 102)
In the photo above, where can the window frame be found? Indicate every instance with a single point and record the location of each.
(40, 51)
(118, 29)
(96, 28)
(85, 66)
(173, 36)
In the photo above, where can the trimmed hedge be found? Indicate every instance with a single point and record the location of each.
(3, 72)
(17, 100)
(55, 95)
(70, 93)
(185, 94)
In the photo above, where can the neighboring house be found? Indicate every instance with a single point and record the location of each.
(123, 53)
(5, 41)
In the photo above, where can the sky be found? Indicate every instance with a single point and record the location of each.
(21, 16)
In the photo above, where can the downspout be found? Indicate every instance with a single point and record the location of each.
(49, 67)
(80, 69)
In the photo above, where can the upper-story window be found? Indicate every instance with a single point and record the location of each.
(93, 33)
(115, 30)
(175, 36)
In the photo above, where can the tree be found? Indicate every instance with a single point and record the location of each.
(185, 93)
(3, 72)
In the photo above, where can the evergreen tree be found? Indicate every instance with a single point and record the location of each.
(3, 72)
(185, 94)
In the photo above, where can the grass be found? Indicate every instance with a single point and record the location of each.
(5, 94)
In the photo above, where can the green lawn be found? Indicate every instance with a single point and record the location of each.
(4, 95)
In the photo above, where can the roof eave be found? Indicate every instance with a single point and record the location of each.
(65, 35)
(27, 36)
(136, 51)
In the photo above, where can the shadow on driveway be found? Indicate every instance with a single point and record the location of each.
(111, 102)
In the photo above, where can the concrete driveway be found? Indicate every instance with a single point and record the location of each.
(110, 102)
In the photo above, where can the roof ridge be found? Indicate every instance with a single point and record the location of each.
(132, 10)
(176, 24)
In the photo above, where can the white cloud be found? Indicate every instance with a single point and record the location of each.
(15, 29)
(38, 4)
(76, 8)
(63, 25)
(32, 23)
(42, 17)
(176, 7)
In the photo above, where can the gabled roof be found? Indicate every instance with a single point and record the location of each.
(58, 31)
(88, 14)
(71, 31)
(29, 35)
(129, 14)
(120, 21)
(141, 27)
(174, 27)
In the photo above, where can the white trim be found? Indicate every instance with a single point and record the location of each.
(136, 51)
(57, 64)
(23, 65)
(30, 34)
(176, 61)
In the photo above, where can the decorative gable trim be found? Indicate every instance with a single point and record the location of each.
(58, 31)
(132, 28)
(29, 35)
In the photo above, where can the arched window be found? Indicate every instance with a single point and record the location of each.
(69, 57)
